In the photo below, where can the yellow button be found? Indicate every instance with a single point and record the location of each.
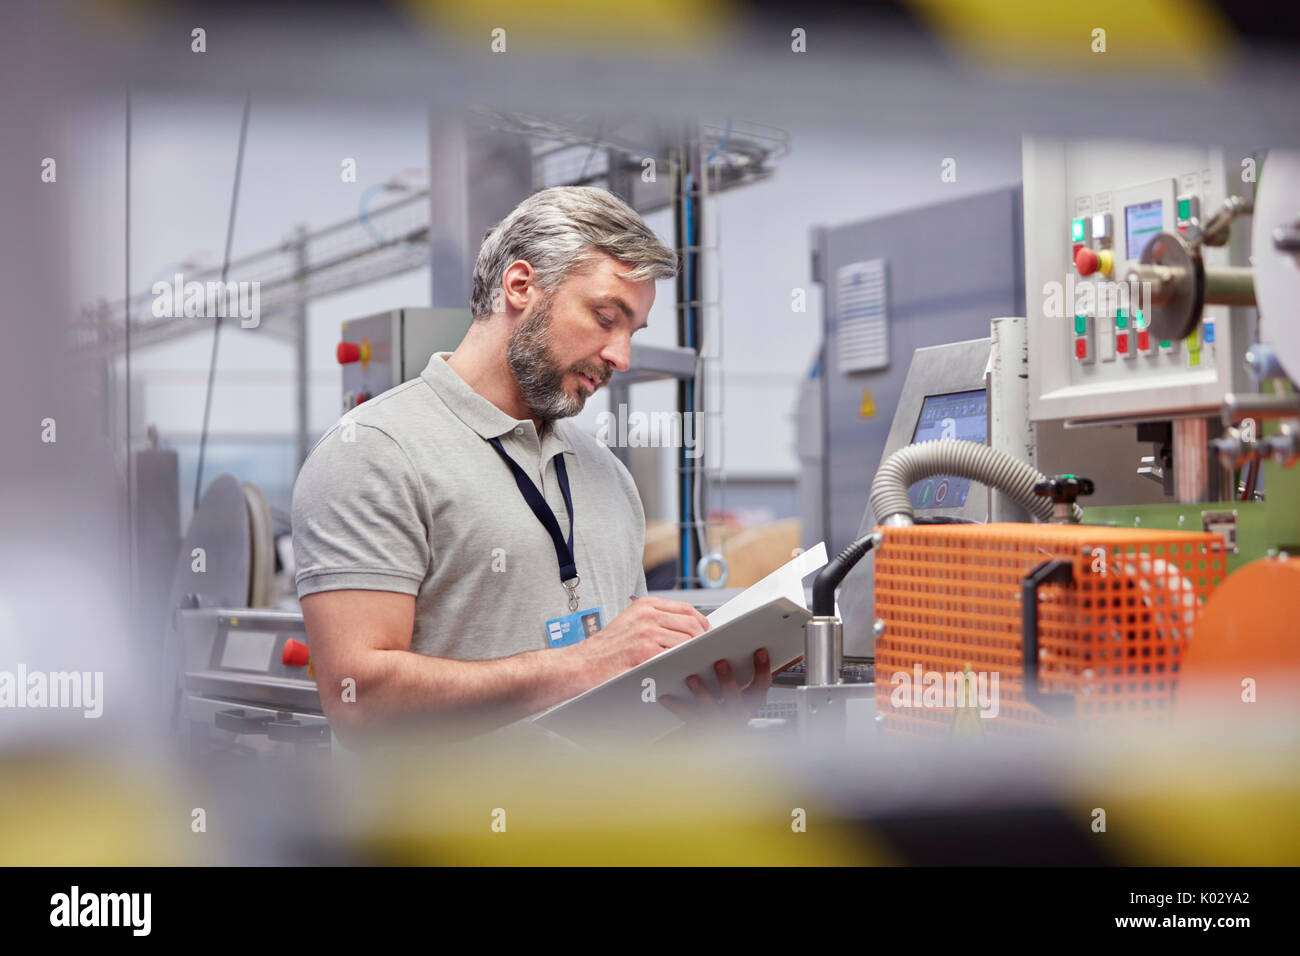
(1105, 262)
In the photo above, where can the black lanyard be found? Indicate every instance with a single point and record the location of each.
(563, 549)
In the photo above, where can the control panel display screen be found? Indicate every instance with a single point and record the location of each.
(248, 650)
(960, 415)
(1141, 223)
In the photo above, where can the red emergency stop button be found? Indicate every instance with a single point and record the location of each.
(1086, 261)
(294, 654)
(349, 352)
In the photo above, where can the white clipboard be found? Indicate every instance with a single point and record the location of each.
(625, 709)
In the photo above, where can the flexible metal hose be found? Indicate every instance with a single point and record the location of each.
(963, 459)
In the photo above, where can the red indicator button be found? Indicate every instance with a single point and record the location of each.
(1081, 348)
(348, 352)
(294, 654)
(1121, 343)
(1144, 341)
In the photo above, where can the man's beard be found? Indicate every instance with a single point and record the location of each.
(539, 373)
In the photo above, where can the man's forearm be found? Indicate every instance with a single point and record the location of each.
(403, 686)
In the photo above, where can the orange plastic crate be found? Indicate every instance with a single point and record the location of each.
(950, 599)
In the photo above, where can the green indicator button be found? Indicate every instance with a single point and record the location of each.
(1166, 344)
(1121, 319)
(1138, 321)
(1076, 230)
(1080, 325)
(1184, 209)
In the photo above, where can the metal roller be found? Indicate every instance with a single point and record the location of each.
(1181, 286)
(1275, 243)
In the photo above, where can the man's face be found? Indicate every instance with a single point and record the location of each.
(576, 337)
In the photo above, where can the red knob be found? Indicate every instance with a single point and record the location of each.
(362, 397)
(294, 654)
(348, 352)
(1086, 261)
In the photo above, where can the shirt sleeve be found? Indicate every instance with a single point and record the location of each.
(640, 590)
(359, 515)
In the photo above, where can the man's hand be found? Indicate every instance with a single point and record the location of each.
(647, 627)
(738, 704)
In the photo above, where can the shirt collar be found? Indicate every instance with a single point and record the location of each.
(480, 414)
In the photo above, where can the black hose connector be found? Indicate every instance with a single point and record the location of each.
(1049, 572)
(829, 578)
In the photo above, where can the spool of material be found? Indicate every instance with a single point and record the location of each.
(1276, 253)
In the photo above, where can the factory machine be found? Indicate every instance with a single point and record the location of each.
(381, 351)
(1161, 327)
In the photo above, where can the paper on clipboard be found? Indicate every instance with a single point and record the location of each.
(786, 581)
(770, 613)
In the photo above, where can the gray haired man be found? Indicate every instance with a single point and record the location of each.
(455, 538)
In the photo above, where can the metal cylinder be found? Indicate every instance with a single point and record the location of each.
(1165, 282)
(1238, 407)
(823, 651)
(1010, 429)
(1229, 285)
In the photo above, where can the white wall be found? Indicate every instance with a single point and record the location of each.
(183, 158)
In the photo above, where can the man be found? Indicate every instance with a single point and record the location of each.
(454, 536)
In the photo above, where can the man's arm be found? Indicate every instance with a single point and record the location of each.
(366, 636)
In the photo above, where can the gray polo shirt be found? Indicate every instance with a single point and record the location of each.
(405, 493)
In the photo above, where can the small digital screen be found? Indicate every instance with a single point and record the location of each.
(1141, 223)
(960, 415)
(248, 650)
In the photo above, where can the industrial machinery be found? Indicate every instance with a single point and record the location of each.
(381, 351)
(238, 672)
(1184, 363)
(1141, 287)
(909, 299)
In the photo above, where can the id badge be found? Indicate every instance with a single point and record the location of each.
(572, 628)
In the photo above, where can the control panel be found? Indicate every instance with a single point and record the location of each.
(381, 351)
(1091, 211)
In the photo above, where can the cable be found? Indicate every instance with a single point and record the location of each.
(835, 570)
(216, 325)
(130, 470)
(363, 214)
(964, 459)
(719, 146)
(595, 145)
(1250, 477)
